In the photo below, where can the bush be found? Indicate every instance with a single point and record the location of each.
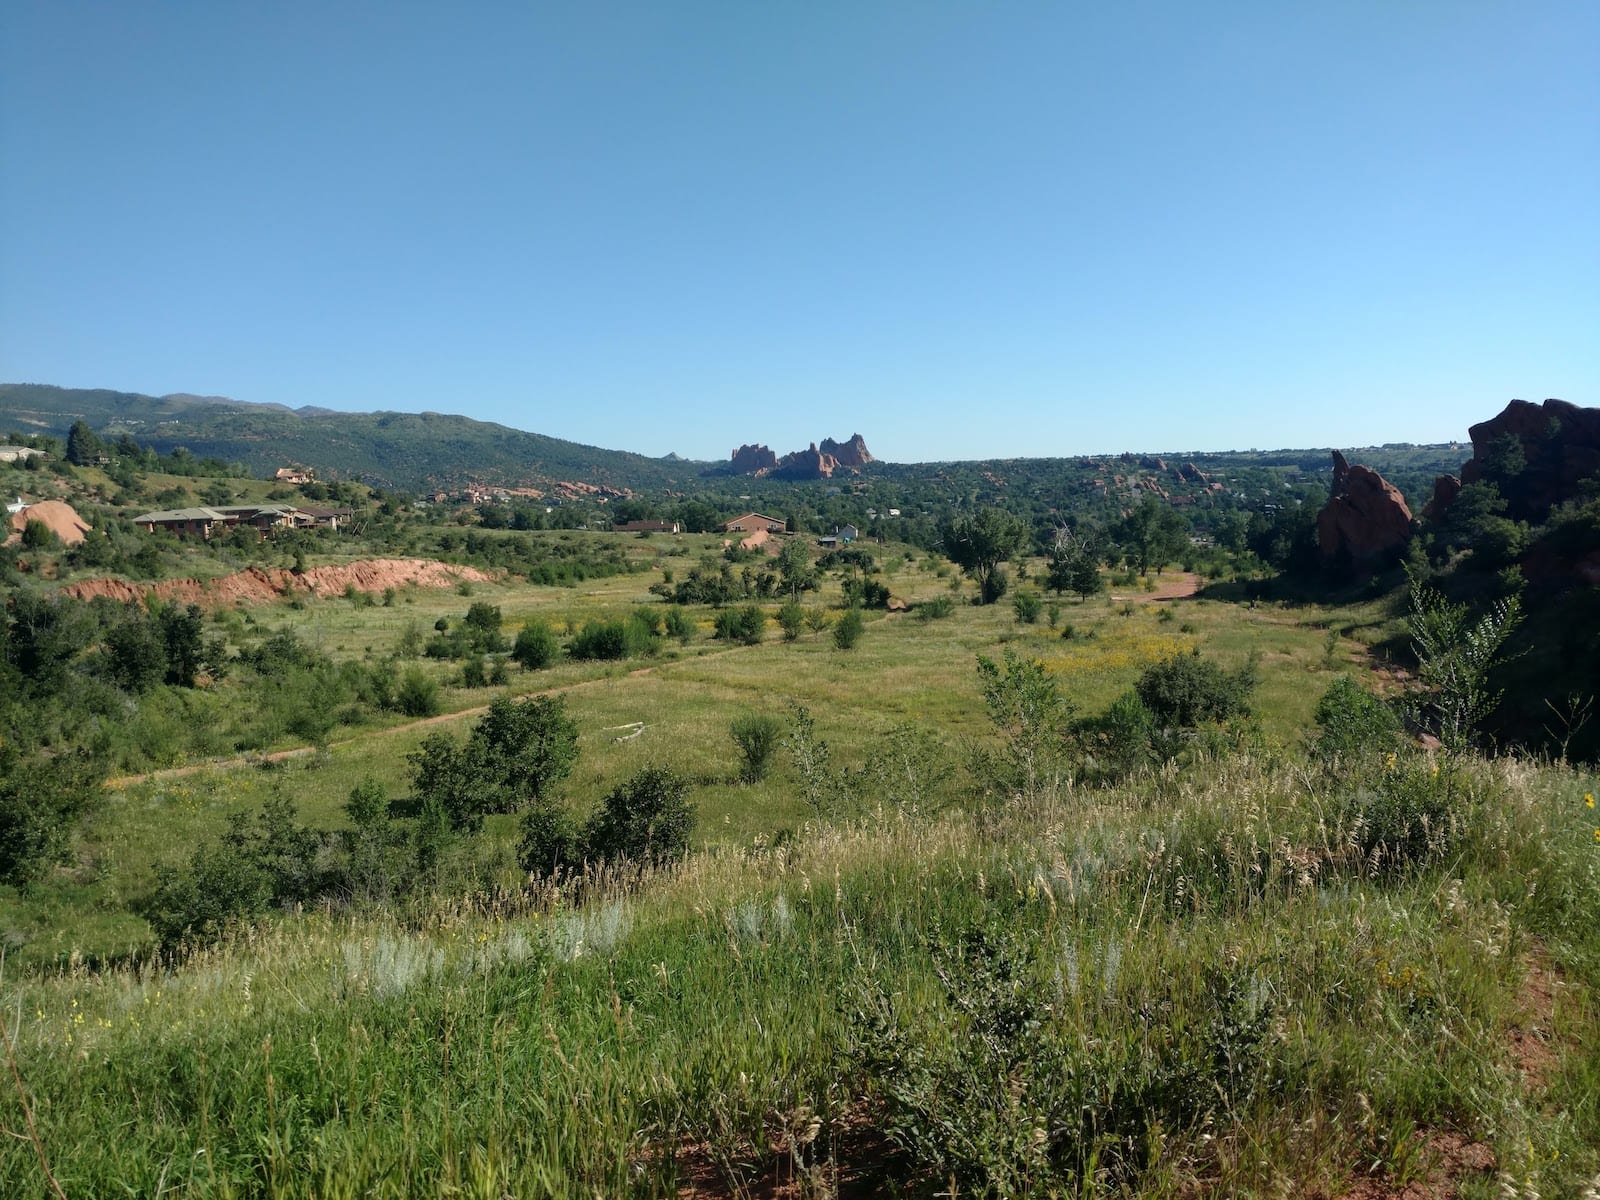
(792, 620)
(1187, 690)
(602, 640)
(936, 609)
(744, 624)
(847, 630)
(550, 841)
(757, 736)
(418, 695)
(536, 646)
(1410, 815)
(1353, 721)
(1121, 738)
(646, 820)
(679, 626)
(1028, 606)
(42, 798)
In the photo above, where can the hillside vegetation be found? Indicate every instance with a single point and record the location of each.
(462, 853)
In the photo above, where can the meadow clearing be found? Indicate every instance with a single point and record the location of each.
(1245, 970)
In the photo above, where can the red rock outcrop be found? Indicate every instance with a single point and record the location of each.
(1365, 520)
(752, 460)
(1445, 490)
(259, 585)
(806, 464)
(853, 453)
(1558, 443)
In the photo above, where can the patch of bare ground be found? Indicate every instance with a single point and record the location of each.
(1451, 1158)
(856, 1165)
(1169, 587)
(265, 585)
(1447, 1158)
(1530, 1043)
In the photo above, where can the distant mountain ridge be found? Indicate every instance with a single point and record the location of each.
(413, 451)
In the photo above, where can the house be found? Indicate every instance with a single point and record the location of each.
(17, 507)
(646, 527)
(848, 533)
(328, 518)
(751, 522)
(204, 521)
(294, 476)
(18, 453)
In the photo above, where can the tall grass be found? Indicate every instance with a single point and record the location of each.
(1205, 981)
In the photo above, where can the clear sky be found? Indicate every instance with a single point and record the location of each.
(962, 229)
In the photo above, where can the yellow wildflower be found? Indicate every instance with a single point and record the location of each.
(1588, 799)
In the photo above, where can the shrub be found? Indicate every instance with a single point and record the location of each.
(1121, 738)
(1027, 606)
(418, 695)
(603, 640)
(678, 625)
(645, 820)
(791, 619)
(847, 630)
(757, 735)
(743, 624)
(936, 609)
(550, 841)
(1409, 815)
(1353, 721)
(1186, 690)
(42, 798)
(536, 646)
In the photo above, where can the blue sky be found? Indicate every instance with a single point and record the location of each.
(961, 229)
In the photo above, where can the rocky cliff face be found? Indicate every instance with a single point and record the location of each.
(853, 453)
(810, 463)
(1365, 520)
(815, 462)
(752, 460)
(1536, 454)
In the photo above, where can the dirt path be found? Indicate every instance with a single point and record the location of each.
(1168, 587)
(256, 759)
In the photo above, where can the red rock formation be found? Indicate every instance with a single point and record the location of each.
(1559, 444)
(1366, 519)
(805, 464)
(1445, 490)
(752, 460)
(853, 453)
(59, 517)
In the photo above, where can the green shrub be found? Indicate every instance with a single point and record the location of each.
(1352, 721)
(743, 624)
(550, 841)
(1187, 690)
(418, 694)
(791, 619)
(603, 640)
(645, 820)
(1027, 606)
(935, 609)
(757, 735)
(679, 625)
(847, 630)
(536, 646)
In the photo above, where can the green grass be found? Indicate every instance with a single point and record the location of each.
(1248, 1001)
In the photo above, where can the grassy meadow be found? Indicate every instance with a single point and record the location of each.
(1222, 977)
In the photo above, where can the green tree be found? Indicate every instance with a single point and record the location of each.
(1152, 534)
(42, 798)
(795, 568)
(1026, 706)
(83, 447)
(979, 542)
(536, 646)
(645, 820)
(1455, 657)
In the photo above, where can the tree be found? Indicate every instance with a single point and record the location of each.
(83, 447)
(1152, 534)
(536, 646)
(795, 568)
(42, 797)
(1454, 660)
(1026, 706)
(979, 542)
(645, 820)
(36, 535)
